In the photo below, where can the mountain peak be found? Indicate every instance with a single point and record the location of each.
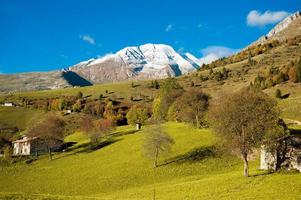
(147, 61)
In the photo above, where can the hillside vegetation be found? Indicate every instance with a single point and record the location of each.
(198, 167)
(194, 170)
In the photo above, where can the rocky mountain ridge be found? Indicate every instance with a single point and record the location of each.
(147, 61)
(291, 26)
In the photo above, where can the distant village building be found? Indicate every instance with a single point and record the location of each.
(27, 146)
(8, 104)
(268, 160)
(138, 126)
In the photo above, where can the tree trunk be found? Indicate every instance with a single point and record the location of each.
(244, 154)
(50, 154)
(197, 121)
(154, 194)
(37, 154)
(156, 157)
(280, 154)
(246, 165)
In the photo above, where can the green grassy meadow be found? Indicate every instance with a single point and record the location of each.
(19, 117)
(120, 89)
(193, 170)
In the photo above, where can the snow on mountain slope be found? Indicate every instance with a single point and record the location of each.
(150, 57)
(137, 62)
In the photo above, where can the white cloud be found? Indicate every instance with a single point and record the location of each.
(63, 56)
(213, 53)
(255, 18)
(88, 39)
(168, 28)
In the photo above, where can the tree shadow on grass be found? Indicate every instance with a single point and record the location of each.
(88, 147)
(194, 155)
(67, 145)
(295, 131)
(262, 173)
(122, 133)
(100, 145)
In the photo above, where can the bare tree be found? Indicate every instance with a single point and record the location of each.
(157, 142)
(49, 131)
(243, 119)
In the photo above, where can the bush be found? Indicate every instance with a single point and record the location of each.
(79, 95)
(7, 152)
(77, 106)
(292, 74)
(278, 94)
(137, 114)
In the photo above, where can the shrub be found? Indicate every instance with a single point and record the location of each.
(137, 114)
(79, 95)
(77, 106)
(278, 94)
(292, 74)
(7, 152)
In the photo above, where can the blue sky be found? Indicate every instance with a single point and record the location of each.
(42, 35)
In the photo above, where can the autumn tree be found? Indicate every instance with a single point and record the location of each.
(295, 71)
(191, 107)
(156, 143)
(242, 119)
(88, 126)
(169, 91)
(110, 112)
(77, 106)
(95, 108)
(298, 70)
(50, 132)
(137, 115)
(96, 128)
(5, 145)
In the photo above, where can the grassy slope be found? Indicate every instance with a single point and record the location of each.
(122, 89)
(277, 57)
(19, 117)
(120, 171)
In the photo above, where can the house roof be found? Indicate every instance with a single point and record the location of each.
(25, 139)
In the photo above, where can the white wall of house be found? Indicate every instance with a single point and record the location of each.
(22, 148)
(267, 160)
(8, 104)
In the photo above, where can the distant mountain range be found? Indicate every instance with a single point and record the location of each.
(148, 61)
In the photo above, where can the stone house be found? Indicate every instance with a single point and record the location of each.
(28, 146)
(291, 159)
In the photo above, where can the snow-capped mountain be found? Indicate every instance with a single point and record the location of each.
(138, 62)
